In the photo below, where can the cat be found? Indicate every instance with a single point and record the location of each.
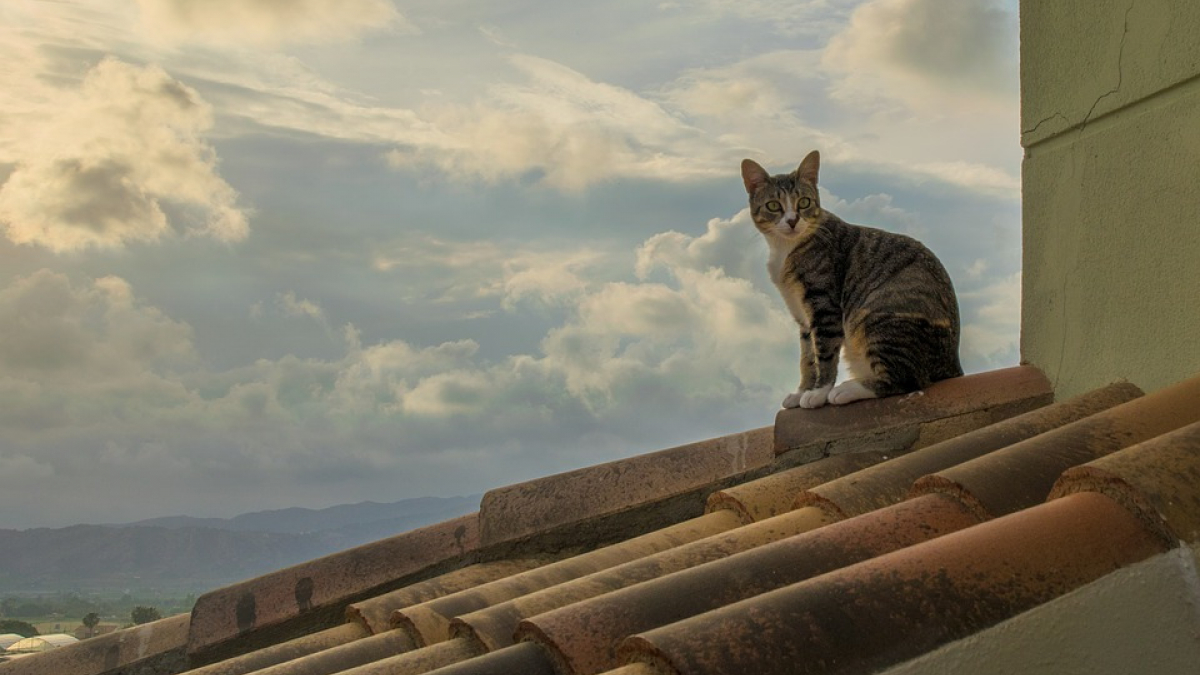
(882, 298)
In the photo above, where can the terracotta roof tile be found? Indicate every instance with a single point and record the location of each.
(1140, 619)
(1022, 474)
(376, 613)
(158, 644)
(494, 626)
(774, 494)
(296, 593)
(288, 650)
(534, 506)
(429, 622)
(344, 657)
(943, 410)
(525, 659)
(424, 660)
(890, 482)
(1159, 479)
(584, 636)
(750, 585)
(901, 604)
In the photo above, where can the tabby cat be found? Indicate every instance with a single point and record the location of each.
(882, 298)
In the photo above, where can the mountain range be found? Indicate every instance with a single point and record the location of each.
(182, 553)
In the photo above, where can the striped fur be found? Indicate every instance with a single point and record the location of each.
(881, 299)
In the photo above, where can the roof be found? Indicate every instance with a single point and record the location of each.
(7, 639)
(846, 539)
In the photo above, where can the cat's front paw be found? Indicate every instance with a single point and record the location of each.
(850, 391)
(809, 398)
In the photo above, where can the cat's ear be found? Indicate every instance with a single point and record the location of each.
(753, 175)
(809, 167)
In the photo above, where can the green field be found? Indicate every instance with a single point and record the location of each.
(64, 612)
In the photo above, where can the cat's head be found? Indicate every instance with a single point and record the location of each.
(786, 206)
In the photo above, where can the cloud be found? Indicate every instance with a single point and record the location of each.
(551, 278)
(732, 246)
(446, 271)
(299, 307)
(925, 52)
(119, 160)
(101, 387)
(561, 127)
(266, 22)
(56, 331)
(578, 350)
(862, 115)
(809, 20)
(991, 331)
(762, 86)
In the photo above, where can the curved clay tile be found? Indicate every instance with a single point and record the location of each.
(902, 604)
(943, 410)
(1022, 475)
(493, 627)
(366, 636)
(226, 614)
(489, 612)
(888, 483)
(298, 648)
(522, 659)
(342, 657)
(1159, 479)
(429, 622)
(376, 613)
(424, 660)
(772, 495)
(584, 636)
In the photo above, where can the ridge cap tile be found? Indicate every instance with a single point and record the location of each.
(334, 580)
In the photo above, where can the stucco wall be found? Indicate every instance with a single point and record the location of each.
(1110, 120)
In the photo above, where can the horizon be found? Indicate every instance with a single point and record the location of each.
(372, 251)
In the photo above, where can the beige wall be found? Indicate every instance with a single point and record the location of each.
(1110, 120)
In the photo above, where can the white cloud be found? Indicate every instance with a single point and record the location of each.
(810, 19)
(991, 331)
(588, 352)
(551, 278)
(974, 175)
(862, 114)
(569, 129)
(266, 22)
(763, 86)
(926, 53)
(57, 332)
(733, 246)
(976, 269)
(446, 271)
(119, 160)
(93, 376)
(299, 307)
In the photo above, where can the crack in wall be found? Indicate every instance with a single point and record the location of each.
(1065, 312)
(1111, 92)
(1037, 126)
(1120, 70)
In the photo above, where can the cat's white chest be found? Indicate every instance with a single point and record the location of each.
(789, 287)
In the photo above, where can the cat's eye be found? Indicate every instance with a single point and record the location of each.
(774, 206)
(805, 202)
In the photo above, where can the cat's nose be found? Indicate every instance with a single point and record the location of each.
(792, 220)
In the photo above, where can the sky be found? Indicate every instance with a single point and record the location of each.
(257, 254)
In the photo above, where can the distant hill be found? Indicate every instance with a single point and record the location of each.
(192, 554)
(300, 521)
